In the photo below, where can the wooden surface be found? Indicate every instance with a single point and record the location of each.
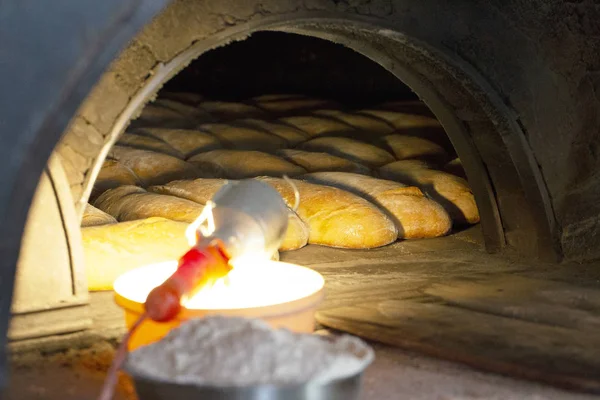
(518, 326)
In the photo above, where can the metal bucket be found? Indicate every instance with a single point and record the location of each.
(342, 389)
(338, 388)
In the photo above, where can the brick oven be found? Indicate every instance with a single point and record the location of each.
(511, 88)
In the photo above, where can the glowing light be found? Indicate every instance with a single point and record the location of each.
(252, 283)
(205, 223)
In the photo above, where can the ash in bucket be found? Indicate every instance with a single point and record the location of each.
(232, 351)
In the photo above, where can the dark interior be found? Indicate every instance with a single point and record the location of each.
(283, 63)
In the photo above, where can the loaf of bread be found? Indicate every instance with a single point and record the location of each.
(452, 192)
(94, 217)
(227, 111)
(415, 215)
(198, 190)
(314, 125)
(130, 139)
(407, 147)
(202, 190)
(297, 233)
(337, 218)
(153, 168)
(192, 113)
(291, 135)
(111, 250)
(153, 115)
(292, 104)
(317, 162)
(365, 123)
(130, 203)
(244, 138)
(414, 119)
(455, 168)
(412, 107)
(354, 150)
(402, 120)
(416, 163)
(113, 174)
(186, 141)
(239, 164)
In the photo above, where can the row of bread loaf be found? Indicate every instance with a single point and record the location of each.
(323, 193)
(131, 166)
(340, 210)
(314, 117)
(364, 226)
(139, 167)
(369, 212)
(128, 163)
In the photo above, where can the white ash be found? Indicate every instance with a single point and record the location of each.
(232, 351)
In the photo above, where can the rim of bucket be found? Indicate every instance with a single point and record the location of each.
(268, 311)
(146, 379)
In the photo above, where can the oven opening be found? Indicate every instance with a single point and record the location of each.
(382, 189)
(378, 178)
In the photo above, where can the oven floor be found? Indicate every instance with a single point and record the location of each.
(394, 375)
(445, 298)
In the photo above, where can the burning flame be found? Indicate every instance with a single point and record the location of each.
(205, 223)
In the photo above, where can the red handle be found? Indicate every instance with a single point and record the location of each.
(196, 268)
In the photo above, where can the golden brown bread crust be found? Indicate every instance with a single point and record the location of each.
(337, 218)
(315, 126)
(153, 168)
(244, 138)
(413, 119)
(415, 215)
(296, 235)
(186, 141)
(129, 203)
(350, 149)
(402, 120)
(279, 104)
(94, 217)
(227, 111)
(366, 123)
(291, 135)
(190, 112)
(455, 168)
(239, 164)
(202, 190)
(136, 141)
(318, 161)
(157, 115)
(197, 190)
(452, 192)
(409, 147)
(113, 174)
(111, 250)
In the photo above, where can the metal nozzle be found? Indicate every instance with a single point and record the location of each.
(250, 218)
